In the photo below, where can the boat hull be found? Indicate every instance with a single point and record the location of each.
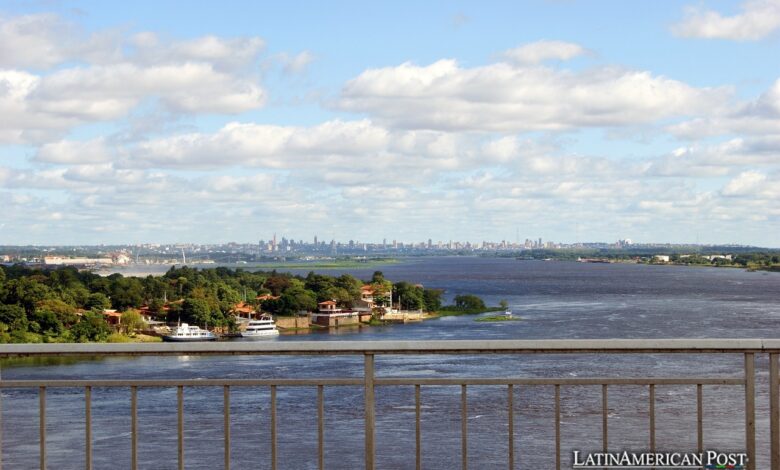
(259, 334)
(173, 339)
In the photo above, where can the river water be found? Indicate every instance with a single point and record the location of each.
(554, 300)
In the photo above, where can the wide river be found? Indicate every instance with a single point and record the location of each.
(554, 300)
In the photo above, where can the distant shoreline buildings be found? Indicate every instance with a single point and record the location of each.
(283, 248)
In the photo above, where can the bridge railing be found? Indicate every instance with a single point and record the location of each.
(748, 348)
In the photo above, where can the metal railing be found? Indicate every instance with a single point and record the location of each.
(748, 348)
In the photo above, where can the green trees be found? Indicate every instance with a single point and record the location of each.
(409, 296)
(126, 292)
(97, 301)
(49, 304)
(469, 302)
(196, 312)
(131, 321)
(432, 299)
(92, 327)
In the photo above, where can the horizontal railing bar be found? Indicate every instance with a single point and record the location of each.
(544, 346)
(183, 383)
(559, 381)
(378, 381)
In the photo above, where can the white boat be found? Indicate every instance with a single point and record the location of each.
(508, 313)
(262, 327)
(187, 333)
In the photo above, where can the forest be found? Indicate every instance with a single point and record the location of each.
(67, 305)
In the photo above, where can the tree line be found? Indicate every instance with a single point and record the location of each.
(65, 304)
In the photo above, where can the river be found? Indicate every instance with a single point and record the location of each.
(554, 300)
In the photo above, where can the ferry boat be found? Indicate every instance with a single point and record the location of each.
(262, 327)
(187, 333)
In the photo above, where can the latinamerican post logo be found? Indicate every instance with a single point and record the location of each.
(661, 460)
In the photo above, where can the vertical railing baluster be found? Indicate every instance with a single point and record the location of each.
(133, 427)
(320, 427)
(604, 418)
(652, 417)
(774, 411)
(42, 425)
(750, 410)
(1, 420)
(226, 424)
(699, 418)
(464, 438)
(273, 427)
(510, 411)
(88, 426)
(370, 418)
(557, 427)
(180, 423)
(417, 430)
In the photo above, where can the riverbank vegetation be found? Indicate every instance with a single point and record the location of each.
(68, 305)
(497, 318)
(465, 305)
(726, 256)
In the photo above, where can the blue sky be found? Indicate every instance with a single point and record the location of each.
(229, 121)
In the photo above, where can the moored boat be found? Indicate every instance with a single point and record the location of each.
(188, 333)
(261, 327)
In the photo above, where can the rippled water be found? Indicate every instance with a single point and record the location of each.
(554, 299)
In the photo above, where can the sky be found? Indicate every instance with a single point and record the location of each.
(212, 122)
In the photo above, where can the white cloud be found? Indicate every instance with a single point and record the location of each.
(744, 184)
(75, 152)
(54, 77)
(503, 98)
(264, 145)
(38, 41)
(296, 63)
(540, 51)
(223, 53)
(758, 19)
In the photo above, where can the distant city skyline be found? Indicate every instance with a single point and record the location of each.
(174, 122)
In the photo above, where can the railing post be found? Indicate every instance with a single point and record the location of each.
(510, 405)
(273, 427)
(774, 411)
(370, 418)
(226, 424)
(42, 425)
(88, 426)
(750, 410)
(180, 424)
(604, 418)
(133, 427)
(320, 428)
(1, 421)
(417, 429)
(464, 428)
(699, 418)
(557, 427)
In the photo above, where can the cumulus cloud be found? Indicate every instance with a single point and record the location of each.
(758, 19)
(270, 146)
(747, 183)
(759, 118)
(53, 76)
(540, 51)
(505, 98)
(75, 152)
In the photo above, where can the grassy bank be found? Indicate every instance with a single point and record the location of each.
(454, 311)
(494, 318)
